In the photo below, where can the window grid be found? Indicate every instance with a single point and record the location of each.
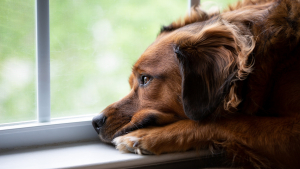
(43, 60)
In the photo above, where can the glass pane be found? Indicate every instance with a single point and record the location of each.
(94, 45)
(17, 61)
(212, 5)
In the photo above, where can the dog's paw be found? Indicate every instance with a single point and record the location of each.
(132, 143)
(159, 140)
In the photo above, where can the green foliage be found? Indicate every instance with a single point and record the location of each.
(17, 57)
(95, 44)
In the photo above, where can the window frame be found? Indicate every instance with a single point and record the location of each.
(43, 60)
(44, 130)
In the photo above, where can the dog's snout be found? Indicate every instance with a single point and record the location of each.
(98, 121)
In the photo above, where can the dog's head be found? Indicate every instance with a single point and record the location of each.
(155, 96)
(188, 72)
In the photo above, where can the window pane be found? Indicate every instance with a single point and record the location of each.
(94, 45)
(212, 5)
(17, 61)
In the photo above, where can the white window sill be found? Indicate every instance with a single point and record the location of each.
(55, 132)
(87, 155)
(51, 145)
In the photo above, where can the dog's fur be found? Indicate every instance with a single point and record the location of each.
(226, 80)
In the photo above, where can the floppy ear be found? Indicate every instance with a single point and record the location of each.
(210, 61)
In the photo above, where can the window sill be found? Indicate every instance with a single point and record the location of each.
(73, 143)
(55, 132)
(90, 155)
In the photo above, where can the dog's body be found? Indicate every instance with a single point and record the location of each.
(229, 80)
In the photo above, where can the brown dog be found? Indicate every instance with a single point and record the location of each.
(229, 80)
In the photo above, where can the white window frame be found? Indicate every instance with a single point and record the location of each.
(43, 131)
(43, 60)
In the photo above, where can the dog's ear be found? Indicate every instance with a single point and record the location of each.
(210, 60)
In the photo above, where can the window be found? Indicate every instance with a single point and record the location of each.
(215, 5)
(93, 45)
(90, 57)
(17, 61)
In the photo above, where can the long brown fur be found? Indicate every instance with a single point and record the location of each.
(229, 80)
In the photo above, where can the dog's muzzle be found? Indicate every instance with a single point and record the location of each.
(98, 121)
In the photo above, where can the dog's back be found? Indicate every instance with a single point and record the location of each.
(229, 80)
(273, 87)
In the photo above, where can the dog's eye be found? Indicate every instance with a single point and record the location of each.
(144, 80)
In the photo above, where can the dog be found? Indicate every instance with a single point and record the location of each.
(228, 80)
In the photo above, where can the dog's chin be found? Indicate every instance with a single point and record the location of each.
(104, 139)
(107, 138)
(123, 132)
(108, 135)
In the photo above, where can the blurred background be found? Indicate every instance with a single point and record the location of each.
(93, 45)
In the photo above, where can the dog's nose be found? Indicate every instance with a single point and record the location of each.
(98, 121)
